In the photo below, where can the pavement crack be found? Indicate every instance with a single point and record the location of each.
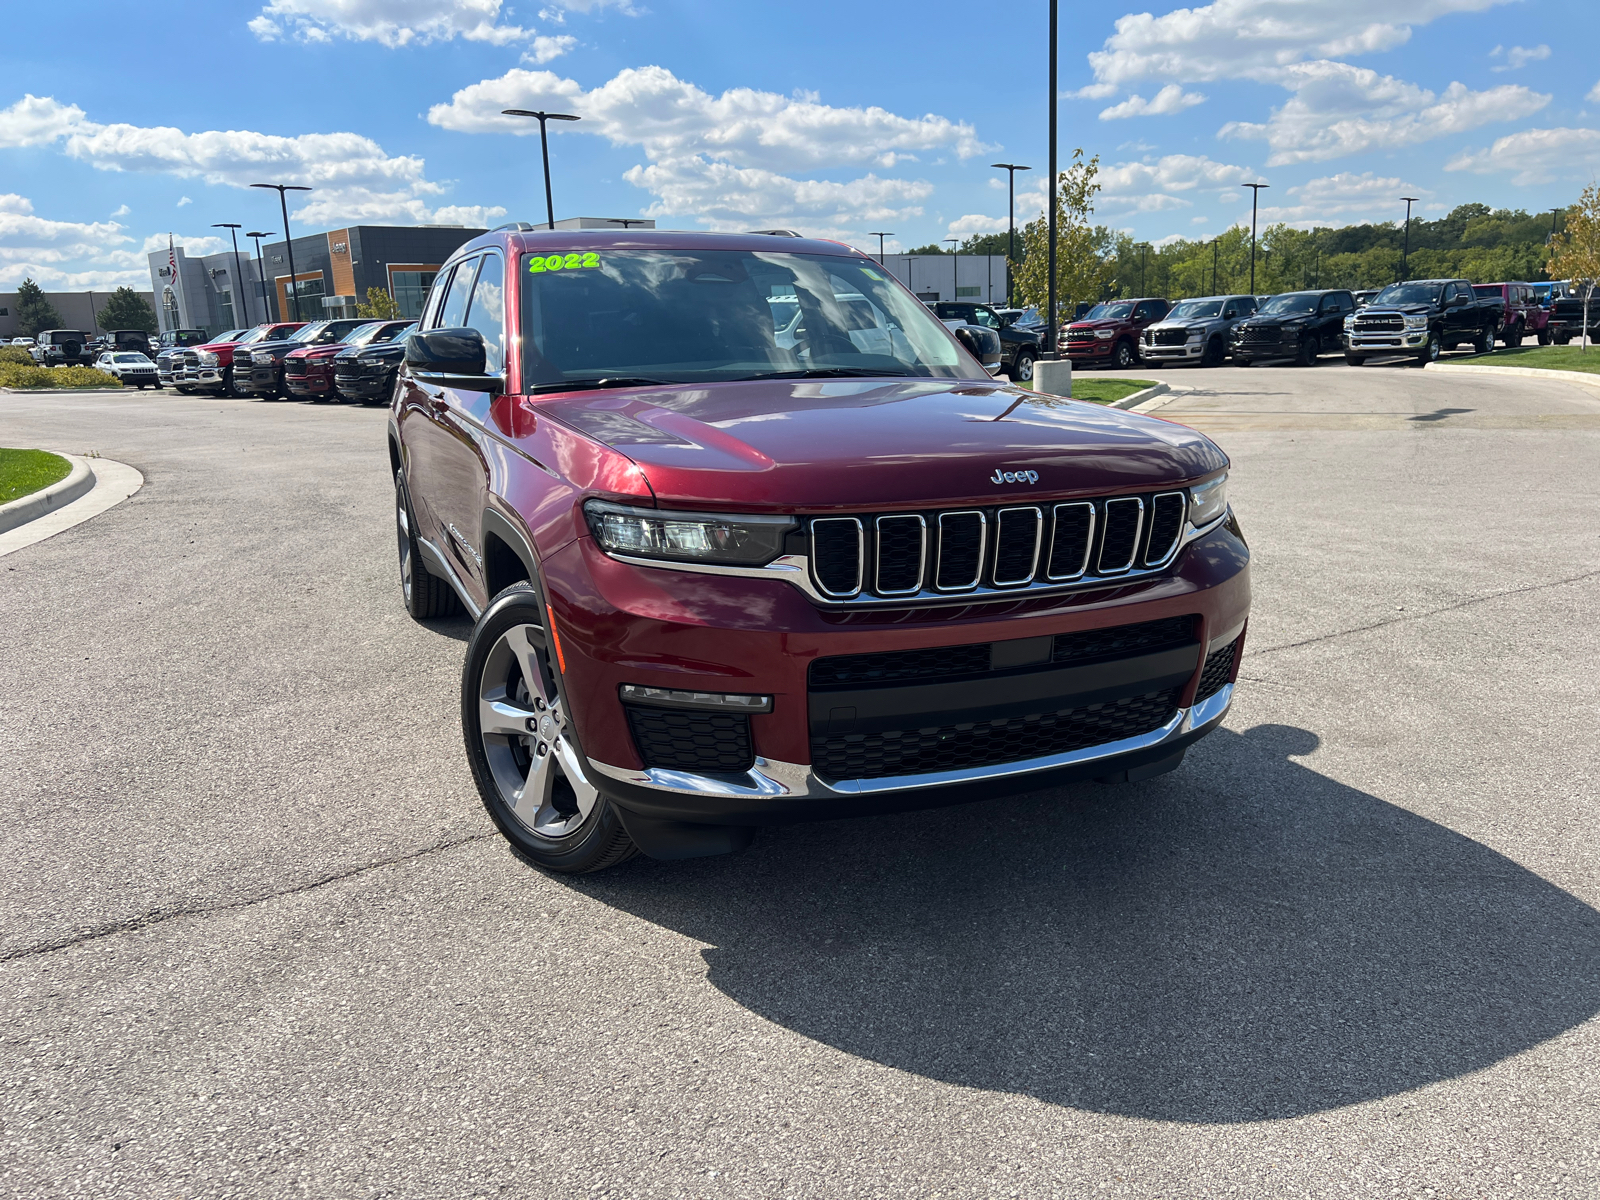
(162, 915)
(1422, 616)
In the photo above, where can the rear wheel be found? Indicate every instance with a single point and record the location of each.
(1485, 341)
(1022, 367)
(425, 594)
(530, 774)
(1544, 337)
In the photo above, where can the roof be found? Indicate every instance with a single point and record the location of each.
(656, 239)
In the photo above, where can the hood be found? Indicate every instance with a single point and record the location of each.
(1399, 308)
(1276, 318)
(1102, 323)
(317, 351)
(394, 350)
(781, 445)
(278, 348)
(1185, 323)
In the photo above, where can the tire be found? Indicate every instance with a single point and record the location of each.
(228, 388)
(1484, 344)
(1544, 337)
(1022, 367)
(1429, 352)
(1123, 358)
(1513, 334)
(1354, 360)
(1306, 354)
(1241, 362)
(530, 774)
(425, 595)
(1215, 354)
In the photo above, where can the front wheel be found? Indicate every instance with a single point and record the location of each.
(1512, 335)
(1354, 360)
(1544, 337)
(1124, 358)
(1306, 353)
(530, 774)
(1022, 367)
(1214, 353)
(1241, 362)
(1430, 352)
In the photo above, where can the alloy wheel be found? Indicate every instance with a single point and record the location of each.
(526, 738)
(403, 530)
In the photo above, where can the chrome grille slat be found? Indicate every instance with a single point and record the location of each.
(832, 554)
(1071, 539)
(1017, 534)
(1167, 513)
(903, 546)
(958, 545)
(1119, 544)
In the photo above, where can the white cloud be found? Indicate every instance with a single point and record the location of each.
(1339, 109)
(182, 200)
(1198, 220)
(1093, 91)
(122, 211)
(546, 48)
(1594, 93)
(1171, 173)
(402, 22)
(729, 159)
(354, 178)
(974, 223)
(1233, 39)
(1519, 56)
(36, 247)
(1339, 199)
(1170, 99)
(1536, 156)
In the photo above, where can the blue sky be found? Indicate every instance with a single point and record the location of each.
(832, 118)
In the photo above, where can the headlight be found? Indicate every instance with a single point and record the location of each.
(1197, 334)
(1208, 501)
(1416, 321)
(1350, 321)
(207, 358)
(1105, 335)
(687, 537)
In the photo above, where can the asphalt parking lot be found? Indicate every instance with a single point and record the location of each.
(259, 938)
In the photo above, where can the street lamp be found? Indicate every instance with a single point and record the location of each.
(544, 148)
(626, 222)
(1214, 243)
(1050, 321)
(238, 272)
(288, 241)
(256, 235)
(1144, 250)
(1255, 195)
(1405, 253)
(880, 237)
(1011, 170)
(955, 267)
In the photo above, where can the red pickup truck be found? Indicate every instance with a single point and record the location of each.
(1109, 333)
(1523, 312)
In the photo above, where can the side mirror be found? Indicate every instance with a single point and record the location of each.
(453, 358)
(1229, 315)
(970, 342)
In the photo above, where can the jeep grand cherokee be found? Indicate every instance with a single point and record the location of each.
(721, 582)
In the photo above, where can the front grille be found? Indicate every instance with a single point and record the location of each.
(986, 743)
(1214, 676)
(1271, 334)
(968, 550)
(1385, 323)
(945, 662)
(296, 366)
(1170, 337)
(684, 740)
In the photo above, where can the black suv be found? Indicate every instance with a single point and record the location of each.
(1019, 346)
(1297, 325)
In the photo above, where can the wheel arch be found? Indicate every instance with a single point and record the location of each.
(508, 555)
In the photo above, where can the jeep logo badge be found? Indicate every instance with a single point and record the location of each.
(1014, 476)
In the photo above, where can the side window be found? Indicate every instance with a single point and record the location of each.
(985, 317)
(487, 313)
(453, 308)
(1148, 310)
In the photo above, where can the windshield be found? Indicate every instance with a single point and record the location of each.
(1292, 303)
(264, 333)
(1109, 312)
(373, 331)
(699, 316)
(132, 358)
(1191, 310)
(1409, 293)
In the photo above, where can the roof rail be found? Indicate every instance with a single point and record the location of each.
(514, 226)
(776, 232)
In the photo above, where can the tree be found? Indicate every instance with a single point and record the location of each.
(1082, 272)
(1575, 251)
(930, 248)
(380, 306)
(34, 312)
(128, 310)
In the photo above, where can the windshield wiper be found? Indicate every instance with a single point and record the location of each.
(611, 381)
(823, 373)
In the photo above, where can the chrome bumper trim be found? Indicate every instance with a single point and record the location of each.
(774, 779)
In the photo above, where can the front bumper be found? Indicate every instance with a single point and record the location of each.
(264, 381)
(1393, 342)
(1194, 350)
(625, 624)
(367, 384)
(1089, 351)
(308, 385)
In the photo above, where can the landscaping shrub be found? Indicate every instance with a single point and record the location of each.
(16, 354)
(15, 375)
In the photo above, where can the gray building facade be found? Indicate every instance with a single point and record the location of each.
(79, 310)
(980, 277)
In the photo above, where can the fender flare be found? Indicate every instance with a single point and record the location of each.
(521, 545)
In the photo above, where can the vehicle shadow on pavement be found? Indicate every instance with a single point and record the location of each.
(1242, 940)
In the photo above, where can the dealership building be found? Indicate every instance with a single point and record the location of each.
(980, 277)
(332, 272)
(79, 310)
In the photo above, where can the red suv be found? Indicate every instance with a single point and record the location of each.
(1523, 314)
(1108, 334)
(723, 578)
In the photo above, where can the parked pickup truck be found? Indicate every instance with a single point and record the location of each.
(1566, 319)
(1521, 313)
(1196, 331)
(1297, 325)
(1109, 333)
(1421, 317)
(1019, 345)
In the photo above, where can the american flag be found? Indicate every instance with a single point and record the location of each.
(172, 261)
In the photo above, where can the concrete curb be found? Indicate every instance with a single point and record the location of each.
(1149, 393)
(94, 391)
(1590, 382)
(79, 482)
(114, 482)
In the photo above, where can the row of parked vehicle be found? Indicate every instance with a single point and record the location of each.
(351, 359)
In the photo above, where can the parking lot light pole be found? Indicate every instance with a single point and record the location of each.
(1050, 290)
(955, 267)
(880, 237)
(238, 272)
(256, 235)
(1254, 196)
(544, 149)
(1011, 170)
(1214, 242)
(1405, 253)
(1144, 251)
(288, 240)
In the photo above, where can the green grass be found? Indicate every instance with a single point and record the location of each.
(1545, 358)
(23, 472)
(1103, 391)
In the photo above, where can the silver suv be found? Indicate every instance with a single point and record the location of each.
(1196, 331)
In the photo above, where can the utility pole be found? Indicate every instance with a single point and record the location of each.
(94, 317)
(241, 314)
(1254, 196)
(1011, 170)
(955, 267)
(544, 149)
(1405, 254)
(1144, 250)
(256, 235)
(1214, 288)
(1050, 315)
(880, 237)
(288, 241)
(909, 263)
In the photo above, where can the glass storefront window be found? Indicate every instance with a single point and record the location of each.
(410, 290)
